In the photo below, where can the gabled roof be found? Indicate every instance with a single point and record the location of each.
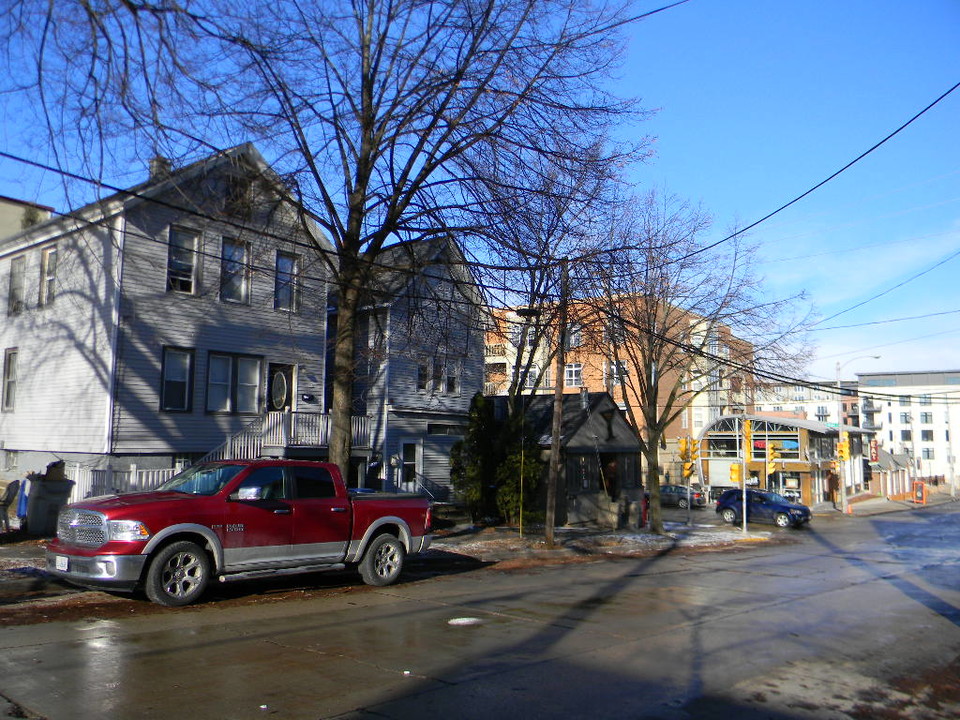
(578, 411)
(399, 266)
(153, 187)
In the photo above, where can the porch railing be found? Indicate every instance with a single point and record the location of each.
(302, 429)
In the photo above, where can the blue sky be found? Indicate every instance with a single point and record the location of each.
(759, 100)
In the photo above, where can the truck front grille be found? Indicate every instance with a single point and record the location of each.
(82, 527)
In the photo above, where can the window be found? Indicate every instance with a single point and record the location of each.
(926, 435)
(904, 401)
(264, 483)
(48, 274)
(286, 290)
(822, 413)
(451, 379)
(618, 372)
(616, 332)
(906, 436)
(574, 336)
(904, 418)
(313, 482)
(9, 399)
(182, 261)
(423, 376)
(233, 384)
(531, 377)
(925, 400)
(927, 453)
(15, 291)
(445, 378)
(176, 393)
(573, 375)
(408, 465)
(234, 272)
(926, 418)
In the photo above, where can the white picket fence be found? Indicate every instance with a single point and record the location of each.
(91, 483)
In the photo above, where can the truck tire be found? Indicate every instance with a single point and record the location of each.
(178, 574)
(383, 561)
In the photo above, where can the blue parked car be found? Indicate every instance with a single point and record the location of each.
(762, 506)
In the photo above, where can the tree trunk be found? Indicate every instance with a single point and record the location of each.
(651, 454)
(344, 361)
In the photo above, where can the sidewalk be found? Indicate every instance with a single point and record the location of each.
(866, 505)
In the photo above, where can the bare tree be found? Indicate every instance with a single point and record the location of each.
(388, 120)
(680, 322)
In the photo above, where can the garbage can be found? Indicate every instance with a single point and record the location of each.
(44, 503)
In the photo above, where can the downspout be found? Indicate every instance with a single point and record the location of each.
(117, 277)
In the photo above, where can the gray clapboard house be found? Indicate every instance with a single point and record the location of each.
(420, 362)
(159, 323)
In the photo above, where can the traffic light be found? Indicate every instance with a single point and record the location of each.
(747, 439)
(690, 454)
(773, 454)
(735, 473)
(843, 447)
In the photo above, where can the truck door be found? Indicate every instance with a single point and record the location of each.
(321, 520)
(258, 521)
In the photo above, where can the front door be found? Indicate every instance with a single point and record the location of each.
(280, 387)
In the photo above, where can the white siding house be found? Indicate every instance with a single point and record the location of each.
(149, 327)
(422, 363)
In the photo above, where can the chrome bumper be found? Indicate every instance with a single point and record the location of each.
(115, 572)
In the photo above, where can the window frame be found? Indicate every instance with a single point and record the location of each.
(48, 275)
(240, 270)
(17, 285)
(9, 380)
(293, 285)
(573, 375)
(234, 384)
(188, 381)
(176, 279)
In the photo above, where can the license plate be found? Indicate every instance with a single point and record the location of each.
(62, 563)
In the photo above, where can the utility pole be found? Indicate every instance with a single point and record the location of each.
(561, 362)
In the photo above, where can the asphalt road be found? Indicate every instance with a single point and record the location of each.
(854, 617)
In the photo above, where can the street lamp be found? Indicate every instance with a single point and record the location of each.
(841, 467)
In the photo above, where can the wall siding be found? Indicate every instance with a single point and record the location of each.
(64, 348)
(153, 318)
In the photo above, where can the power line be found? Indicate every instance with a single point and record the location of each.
(820, 184)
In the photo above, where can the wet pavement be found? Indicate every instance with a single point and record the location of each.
(22, 578)
(844, 619)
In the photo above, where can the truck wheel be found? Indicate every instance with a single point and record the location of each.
(383, 561)
(178, 574)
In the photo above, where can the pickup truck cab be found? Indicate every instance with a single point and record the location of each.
(236, 519)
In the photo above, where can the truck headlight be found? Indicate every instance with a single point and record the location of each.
(127, 530)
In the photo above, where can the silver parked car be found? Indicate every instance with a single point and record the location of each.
(680, 495)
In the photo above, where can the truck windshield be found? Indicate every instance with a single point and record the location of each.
(202, 479)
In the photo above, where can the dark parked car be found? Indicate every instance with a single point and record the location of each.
(680, 495)
(762, 506)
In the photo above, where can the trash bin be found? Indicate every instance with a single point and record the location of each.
(48, 493)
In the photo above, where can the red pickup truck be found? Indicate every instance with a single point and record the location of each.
(236, 519)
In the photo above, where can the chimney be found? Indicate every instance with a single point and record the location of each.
(160, 168)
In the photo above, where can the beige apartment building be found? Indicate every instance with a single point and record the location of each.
(520, 351)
